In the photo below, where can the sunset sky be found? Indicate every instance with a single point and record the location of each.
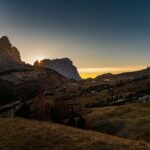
(99, 36)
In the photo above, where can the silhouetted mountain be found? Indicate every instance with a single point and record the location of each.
(9, 56)
(22, 81)
(126, 75)
(9, 50)
(7, 62)
(64, 66)
(106, 75)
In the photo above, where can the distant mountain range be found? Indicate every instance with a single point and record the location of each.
(125, 76)
(10, 59)
(63, 66)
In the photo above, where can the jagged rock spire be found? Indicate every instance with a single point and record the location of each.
(8, 49)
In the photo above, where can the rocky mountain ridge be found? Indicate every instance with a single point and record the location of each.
(19, 80)
(63, 66)
(9, 50)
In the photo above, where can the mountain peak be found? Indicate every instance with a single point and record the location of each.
(8, 49)
(63, 66)
(4, 38)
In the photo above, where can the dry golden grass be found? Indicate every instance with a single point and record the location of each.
(21, 134)
(133, 119)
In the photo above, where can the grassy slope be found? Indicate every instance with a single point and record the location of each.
(24, 134)
(130, 120)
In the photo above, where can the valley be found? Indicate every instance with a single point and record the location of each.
(43, 106)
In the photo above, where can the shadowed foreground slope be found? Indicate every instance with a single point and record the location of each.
(24, 134)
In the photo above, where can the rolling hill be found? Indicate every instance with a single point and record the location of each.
(131, 120)
(27, 135)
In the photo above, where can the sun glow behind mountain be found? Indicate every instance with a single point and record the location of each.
(91, 34)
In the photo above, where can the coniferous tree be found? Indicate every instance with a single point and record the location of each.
(81, 122)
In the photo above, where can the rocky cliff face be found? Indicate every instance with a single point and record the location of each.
(63, 66)
(7, 62)
(9, 50)
(9, 56)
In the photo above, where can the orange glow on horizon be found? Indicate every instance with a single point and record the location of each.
(94, 72)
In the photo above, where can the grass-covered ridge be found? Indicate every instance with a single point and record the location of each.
(131, 120)
(24, 134)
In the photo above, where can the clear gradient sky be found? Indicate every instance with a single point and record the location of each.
(99, 36)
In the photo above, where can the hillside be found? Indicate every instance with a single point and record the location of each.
(125, 75)
(25, 84)
(131, 120)
(24, 134)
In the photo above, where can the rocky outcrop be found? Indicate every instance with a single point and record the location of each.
(63, 66)
(7, 62)
(9, 50)
(9, 56)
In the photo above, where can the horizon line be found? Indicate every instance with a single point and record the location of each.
(94, 72)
